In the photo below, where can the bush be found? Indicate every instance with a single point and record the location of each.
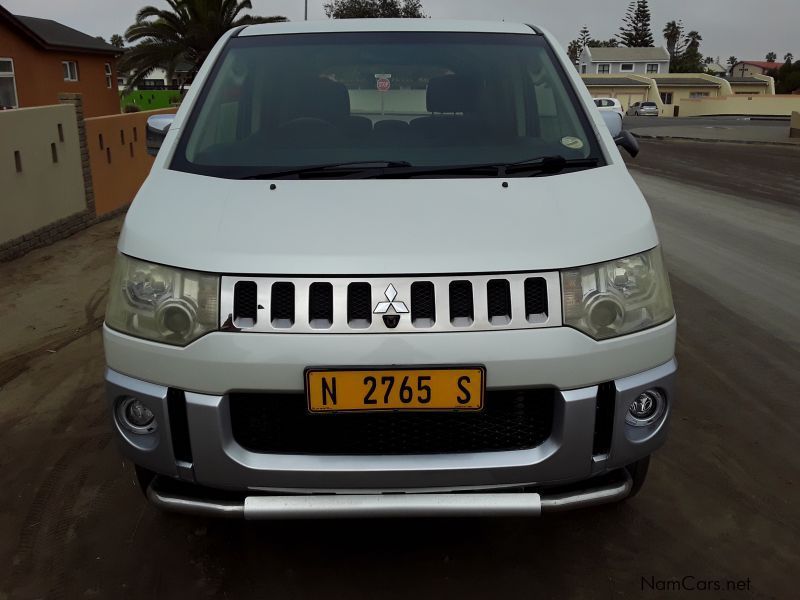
(131, 108)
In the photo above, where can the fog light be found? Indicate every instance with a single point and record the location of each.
(647, 408)
(134, 415)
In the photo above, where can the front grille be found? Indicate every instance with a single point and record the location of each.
(404, 304)
(498, 294)
(282, 303)
(280, 424)
(461, 305)
(536, 298)
(245, 303)
(359, 305)
(320, 305)
(423, 304)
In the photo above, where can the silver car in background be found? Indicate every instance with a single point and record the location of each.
(643, 109)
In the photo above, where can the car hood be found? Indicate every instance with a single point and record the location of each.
(371, 227)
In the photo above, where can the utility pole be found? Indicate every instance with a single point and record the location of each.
(306, 10)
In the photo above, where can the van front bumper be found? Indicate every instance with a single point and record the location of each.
(521, 503)
(217, 461)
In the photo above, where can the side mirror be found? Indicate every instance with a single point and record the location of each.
(157, 128)
(626, 140)
(623, 139)
(613, 121)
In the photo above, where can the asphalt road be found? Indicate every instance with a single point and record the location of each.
(720, 504)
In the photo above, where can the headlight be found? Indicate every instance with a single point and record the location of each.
(160, 303)
(618, 297)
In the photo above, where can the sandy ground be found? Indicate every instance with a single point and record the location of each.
(721, 502)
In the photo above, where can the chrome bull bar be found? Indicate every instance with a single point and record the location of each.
(363, 506)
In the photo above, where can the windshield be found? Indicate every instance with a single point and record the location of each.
(280, 102)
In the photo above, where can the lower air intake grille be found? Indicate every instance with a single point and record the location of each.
(280, 424)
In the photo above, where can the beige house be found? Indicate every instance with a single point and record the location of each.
(628, 89)
(755, 84)
(670, 91)
(676, 87)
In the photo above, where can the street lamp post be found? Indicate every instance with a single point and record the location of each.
(306, 10)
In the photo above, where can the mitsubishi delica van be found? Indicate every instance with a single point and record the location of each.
(389, 268)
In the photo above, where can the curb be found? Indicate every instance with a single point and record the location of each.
(714, 140)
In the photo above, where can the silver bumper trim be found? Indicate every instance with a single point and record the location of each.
(513, 504)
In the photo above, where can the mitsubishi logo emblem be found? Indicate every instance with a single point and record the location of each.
(383, 308)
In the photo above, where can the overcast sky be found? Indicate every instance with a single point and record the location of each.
(747, 29)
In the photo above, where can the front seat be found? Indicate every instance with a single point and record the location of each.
(453, 101)
(318, 109)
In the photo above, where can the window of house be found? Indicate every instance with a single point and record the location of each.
(652, 67)
(698, 94)
(8, 87)
(109, 78)
(666, 97)
(70, 70)
(603, 68)
(626, 67)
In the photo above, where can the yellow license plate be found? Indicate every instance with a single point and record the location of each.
(395, 389)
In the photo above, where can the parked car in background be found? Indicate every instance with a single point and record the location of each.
(609, 105)
(321, 309)
(643, 109)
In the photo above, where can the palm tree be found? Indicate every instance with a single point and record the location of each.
(694, 39)
(185, 33)
(789, 57)
(673, 32)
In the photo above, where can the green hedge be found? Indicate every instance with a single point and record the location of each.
(151, 99)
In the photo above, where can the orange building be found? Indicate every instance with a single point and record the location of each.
(40, 58)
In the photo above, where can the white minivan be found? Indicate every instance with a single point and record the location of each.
(389, 268)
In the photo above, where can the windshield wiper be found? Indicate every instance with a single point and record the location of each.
(378, 169)
(343, 169)
(545, 165)
(549, 165)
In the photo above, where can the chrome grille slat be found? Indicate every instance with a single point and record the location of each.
(481, 321)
